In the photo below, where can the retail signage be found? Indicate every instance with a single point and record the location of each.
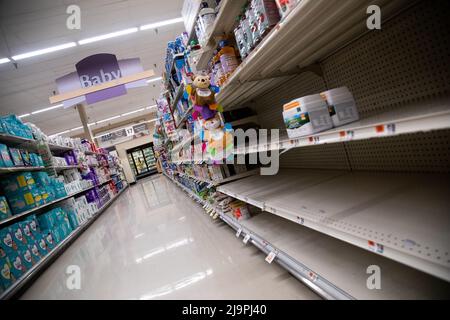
(98, 69)
(124, 134)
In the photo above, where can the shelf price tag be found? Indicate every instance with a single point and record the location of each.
(271, 256)
(238, 233)
(246, 238)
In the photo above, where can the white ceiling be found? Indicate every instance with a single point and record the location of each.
(31, 25)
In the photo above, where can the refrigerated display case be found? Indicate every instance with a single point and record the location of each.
(142, 161)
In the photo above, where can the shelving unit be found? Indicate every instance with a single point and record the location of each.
(14, 141)
(418, 117)
(213, 183)
(15, 218)
(62, 168)
(6, 170)
(372, 192)
(299, 41)
(57, 148)
(27, 279)
(224, 23)
(380, 212)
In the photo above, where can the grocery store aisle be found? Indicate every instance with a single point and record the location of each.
(154, 242)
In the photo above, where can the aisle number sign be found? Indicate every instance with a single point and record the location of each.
(96, 70)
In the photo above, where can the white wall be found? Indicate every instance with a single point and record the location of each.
(122, 152)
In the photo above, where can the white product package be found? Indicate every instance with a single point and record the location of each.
(341, 105)
(306, 116)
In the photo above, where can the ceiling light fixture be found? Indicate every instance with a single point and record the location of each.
(108, 36)
(154, 80)
(161, 24)
(24, 115)
(151, 107)
(4, 60)
(48, 109)
(132, 112)
(75, 129)
(44, 51)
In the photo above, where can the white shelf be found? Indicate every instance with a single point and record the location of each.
(418, 117)
(313, 30)
(213, 183)
(405, 217)
(4, 170)
(333, 269)
(31, 274)
(345, 265)
(57, 148)
(62, 168)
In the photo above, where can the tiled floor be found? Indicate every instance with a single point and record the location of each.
(156, 243)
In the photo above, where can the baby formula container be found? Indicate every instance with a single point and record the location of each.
(341, 105)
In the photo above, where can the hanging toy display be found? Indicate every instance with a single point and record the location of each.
(216, 136)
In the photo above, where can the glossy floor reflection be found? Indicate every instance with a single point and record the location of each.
(154, 242)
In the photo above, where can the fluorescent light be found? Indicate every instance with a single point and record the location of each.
(108, 36)
(47, 109)
(4, 60)
(154, 79)
(151, 107)
(24, 115)
(77, 128)
(132, 112)
(59, 133)
(44, 51)
(109, 119)
(161, 24)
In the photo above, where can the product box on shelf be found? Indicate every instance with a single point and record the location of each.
(17, 182)
(5, 157)
(6, 277)
(306, 115)
(16, 157)
(34, 249)
(26, 231)
(17, 266)
(42, 245)
(5, 212)
(21, 201)
(34, 227)
(26, 158)
(341, 105)
(18, 237)
(7, 243)
(286, 6)
(27, 258)
(12, 125)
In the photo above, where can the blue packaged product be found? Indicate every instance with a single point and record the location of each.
(59, 234)
(6, 241)
(38, 200)
(49, 240)
(5, 212)
(27, 258)
(44, 195)
(48, 220)
(21, 201)
(17, 266)
(17, 182)
(6, 277)
(42, 245)
(6, 160)
(34, 249)
(16, 157)
(42, 178)
(26, 230)
(18, 235)
(34, 227)
(26, 158)
(73, 219)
